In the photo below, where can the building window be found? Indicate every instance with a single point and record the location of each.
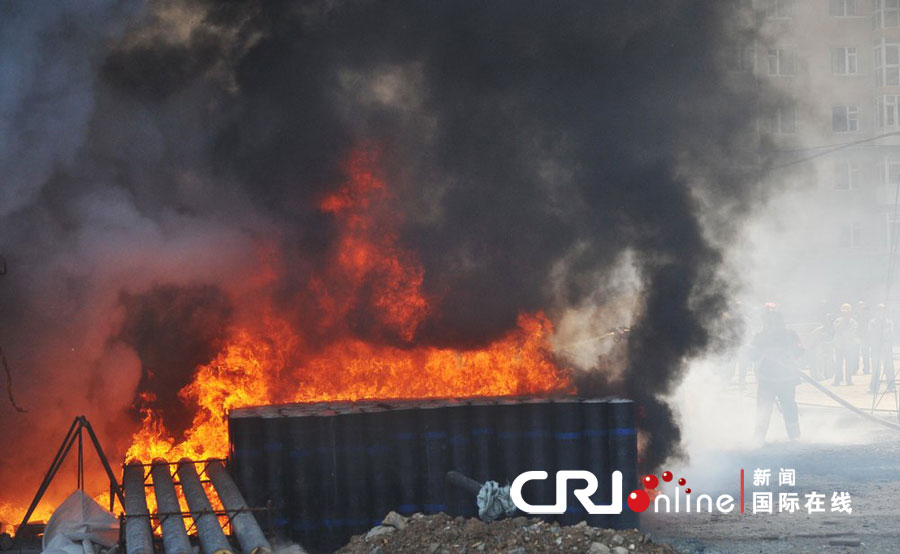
(780, 9)
(886, 14)
(886, 60)
(842, 8)
(893, 230)
(740, 58)
(891, 179)
(783, 121)
(845, 119)
(843, 60)
(887, 115)
(781, 61)
(850, 236)
(892, 175)
(846, 175)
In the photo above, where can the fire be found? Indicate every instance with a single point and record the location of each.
(11, 514)
(271, 362)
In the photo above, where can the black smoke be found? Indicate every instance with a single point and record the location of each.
(528, 144)
(173, 330)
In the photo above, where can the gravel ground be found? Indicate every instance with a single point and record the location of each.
(442, 534)
(869, 472)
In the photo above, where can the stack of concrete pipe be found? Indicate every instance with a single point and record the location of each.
(138, 525)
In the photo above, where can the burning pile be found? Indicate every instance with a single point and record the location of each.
(272, 363)
(215, 205)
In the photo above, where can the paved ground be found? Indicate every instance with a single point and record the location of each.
(839, 452)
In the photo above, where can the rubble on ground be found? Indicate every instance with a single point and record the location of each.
(443, 534)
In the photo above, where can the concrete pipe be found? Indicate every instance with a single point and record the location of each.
(138, 534)
(212, 538)
(175, 539)
(245, 526)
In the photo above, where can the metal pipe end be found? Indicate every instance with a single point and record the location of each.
(159, 462)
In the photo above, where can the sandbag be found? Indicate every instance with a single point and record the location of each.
(78, 518)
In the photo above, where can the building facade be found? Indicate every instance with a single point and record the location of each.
(832, 130)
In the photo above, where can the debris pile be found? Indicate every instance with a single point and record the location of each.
(442, 534)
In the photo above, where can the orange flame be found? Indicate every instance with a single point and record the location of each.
(272, 363)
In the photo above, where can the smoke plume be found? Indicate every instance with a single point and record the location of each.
(153, 154)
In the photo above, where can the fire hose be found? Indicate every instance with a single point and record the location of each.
(492, 499)
(844, 403)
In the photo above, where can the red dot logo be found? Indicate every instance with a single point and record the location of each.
(682, 481)
(687, 491)
(667, 476)
(638, 501)
(651, 481)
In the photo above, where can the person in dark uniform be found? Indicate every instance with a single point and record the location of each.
(776, 350)
(846, 346)
(821, 347)
(865, 346)
(881, 333)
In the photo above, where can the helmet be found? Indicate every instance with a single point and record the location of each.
(845, 307)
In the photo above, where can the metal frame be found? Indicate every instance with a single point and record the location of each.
(148, 484)
(156, 518)
(75, 433)
(203, 461)
(156, 515)
(160, 516)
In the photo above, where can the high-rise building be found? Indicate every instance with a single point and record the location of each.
(833, 126)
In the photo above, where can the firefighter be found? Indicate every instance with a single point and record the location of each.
(822, 349)
(776, 351)
(881, 332)
(846, 346)
(865, 346)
